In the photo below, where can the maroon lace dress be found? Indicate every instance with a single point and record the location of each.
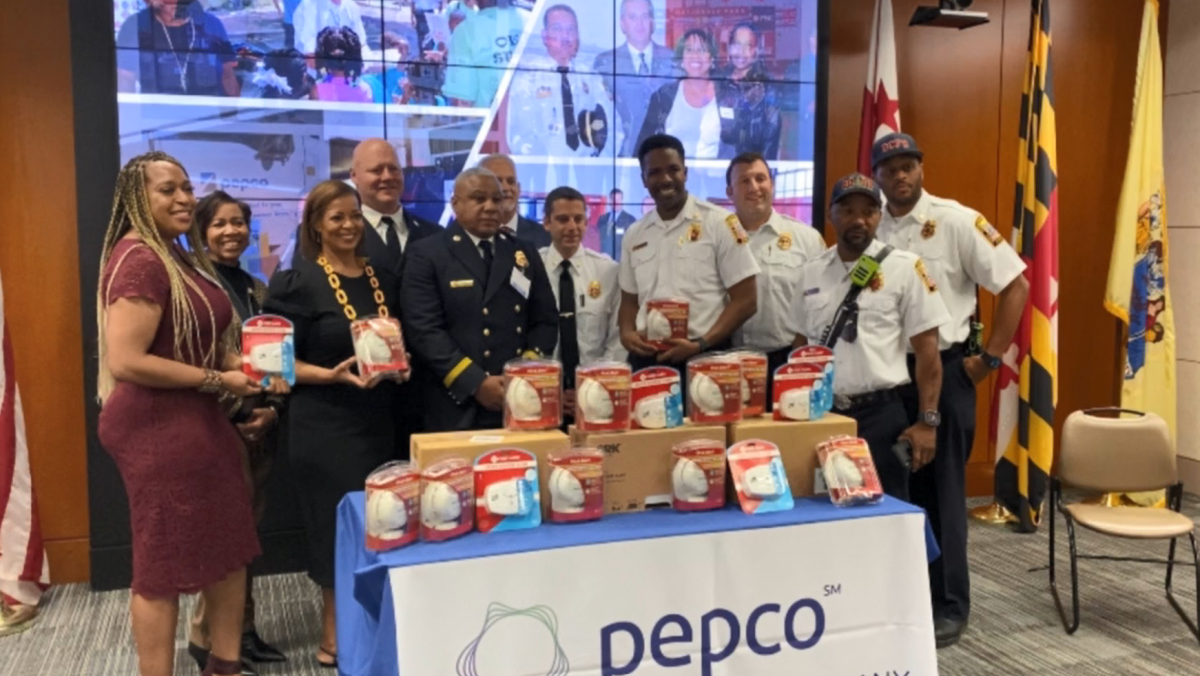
(178, 454)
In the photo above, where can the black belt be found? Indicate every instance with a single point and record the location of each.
(843, 403)
(955, 351)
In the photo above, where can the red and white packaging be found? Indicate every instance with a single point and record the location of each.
(666, 318)
(814, 354)
(849, 472)
(393, 506)
(657, 398)
(506, 491)
(756, 467)
(533, 394)
(379, 347)
(268, 348)
(715, 389)
(577, 485)
(447, 500)
(754, 382)
(698, 475)
(795, 384)
(602, 392)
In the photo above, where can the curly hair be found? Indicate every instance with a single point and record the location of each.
(339, 49)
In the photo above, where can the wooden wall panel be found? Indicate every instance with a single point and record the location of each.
(39, 262)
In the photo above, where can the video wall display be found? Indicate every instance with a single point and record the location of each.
(266, 98)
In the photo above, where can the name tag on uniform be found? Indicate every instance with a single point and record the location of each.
(643, 245)
(461, 283)
(726, 113)
(520, 282)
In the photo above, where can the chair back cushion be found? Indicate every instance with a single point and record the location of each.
(1115, 450)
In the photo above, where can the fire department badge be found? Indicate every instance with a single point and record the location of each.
(785, 242)
(594, 289)
(876, 282)
(928, 229)
(520, 260)
(693, 233)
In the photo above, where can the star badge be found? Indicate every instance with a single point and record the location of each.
(594, 289)
(520, 259)
(785, 242)
(928, 229)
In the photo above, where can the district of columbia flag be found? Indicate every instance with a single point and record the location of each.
(1022, 429)
(881, 96)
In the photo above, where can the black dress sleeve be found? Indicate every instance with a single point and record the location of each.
(289, 295)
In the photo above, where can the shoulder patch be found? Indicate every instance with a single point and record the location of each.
(735, 229)
(989, 233)
(923, 273)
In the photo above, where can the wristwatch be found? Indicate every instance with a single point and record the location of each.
(931, 418)
(990, 361)
(702, 344)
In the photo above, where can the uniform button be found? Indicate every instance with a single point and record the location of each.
(487, 332)
(517, 308)
(484, 312)
(487, 353)
(518, 329)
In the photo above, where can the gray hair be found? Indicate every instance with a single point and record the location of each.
(497, 157)
(468, 174)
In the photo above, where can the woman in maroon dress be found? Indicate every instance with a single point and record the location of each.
(163, 367)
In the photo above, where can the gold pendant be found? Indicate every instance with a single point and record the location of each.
(994, 513)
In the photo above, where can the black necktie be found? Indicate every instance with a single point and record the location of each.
(392, 239)
(569, 111)
(567, 339)
(485, 245)
(642, 69)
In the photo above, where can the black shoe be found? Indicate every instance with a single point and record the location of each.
(947, 632)
(257, 650)
(201, 656)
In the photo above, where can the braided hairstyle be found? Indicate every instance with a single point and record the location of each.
(340, 49)
(131, 211)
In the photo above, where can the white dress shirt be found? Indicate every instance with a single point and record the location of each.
(961, 249)
(781, 246)
(904, 303)
(597, 301)
(476, 240)
(375, 218)
(697, 256)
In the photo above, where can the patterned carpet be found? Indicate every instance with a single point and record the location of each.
(1128, 629)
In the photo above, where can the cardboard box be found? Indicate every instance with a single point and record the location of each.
(638, 463)
(797, 442)
(430, 448)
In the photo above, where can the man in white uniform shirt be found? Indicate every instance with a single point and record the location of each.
(685, 248)
(585, 287)
(314, 15)
(781, 245)
(962, 251)
(898, 306)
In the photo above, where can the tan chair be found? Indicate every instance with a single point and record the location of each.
(1111, 450)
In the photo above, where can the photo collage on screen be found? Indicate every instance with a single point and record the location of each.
(266, 98)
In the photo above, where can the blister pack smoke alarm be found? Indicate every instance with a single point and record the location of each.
(268, 349)
(657, 398)
(822, 357)
(506, 491)
(759, 477)
(533, 394)
(666, 319)
(602, 396)
(714, 389)
(698, 475)
(577, 485)
(849, 472)
(447, 500)
(379, 347)
(800, 390)
(393, 506)
(754, 382)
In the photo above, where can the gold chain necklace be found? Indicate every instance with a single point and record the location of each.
(338, 292)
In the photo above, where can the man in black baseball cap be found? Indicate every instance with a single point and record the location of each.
(893, 145)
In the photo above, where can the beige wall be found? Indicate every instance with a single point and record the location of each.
(1181, 120)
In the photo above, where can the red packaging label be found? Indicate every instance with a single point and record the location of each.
(447, 500)
(393, 508)
(533, 395)
(714, 390)
(698, 477)
(811, 354)
(602, 396)
(666, 319)
(656, 381)
(379, 347)
(849, 471)
(506, 491)
(577, 486)
(754, 383)
(794, 385)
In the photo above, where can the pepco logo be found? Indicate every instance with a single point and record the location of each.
(497, 613)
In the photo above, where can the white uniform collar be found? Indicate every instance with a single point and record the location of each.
(873, 248)
(919, 213)
(554, 258)
(773, 222)
(688, 212)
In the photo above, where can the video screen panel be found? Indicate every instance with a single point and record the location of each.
(266, 98)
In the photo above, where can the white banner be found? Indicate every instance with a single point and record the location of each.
(840, 598)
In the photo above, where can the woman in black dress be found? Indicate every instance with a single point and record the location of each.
(340, 426)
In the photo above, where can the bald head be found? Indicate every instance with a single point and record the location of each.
(376, 173)
(477, 202)
(506, 172)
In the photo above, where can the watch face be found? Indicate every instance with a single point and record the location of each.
(931, 418)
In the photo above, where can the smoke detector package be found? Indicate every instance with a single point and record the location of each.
(379, 347)
(577, 486)
(799, 392)
(268, 349)
(849, 472)
(506, 491)
(754, 382)
(698, 475)
(666, 319)
(759, 477)
(533, 395)
(602, 396)
(447, 500)
(715, 389)
(392, 506)
(657, 398)
(823, 358)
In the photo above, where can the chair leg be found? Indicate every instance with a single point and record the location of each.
(1072, 626)
(1170, 594)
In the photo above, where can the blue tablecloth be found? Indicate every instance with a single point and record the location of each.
(367, 625)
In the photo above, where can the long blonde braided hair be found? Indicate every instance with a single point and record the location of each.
(131, 211)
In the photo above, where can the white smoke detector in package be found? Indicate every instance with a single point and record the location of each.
(506, 483)
(698, 476)
(268, 349)
(759, 477)
(602, 397)
(577, 485)
(392, 506)
(533, 394)
(447, 500)
(715, 389)
(849, 472)
(666, 320)
(657, 398)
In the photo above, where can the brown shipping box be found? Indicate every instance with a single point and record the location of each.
(797, 442)
(638, 463)
(430, 448)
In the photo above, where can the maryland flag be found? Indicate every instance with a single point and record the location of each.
(1137, 272)
(1026, 389)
